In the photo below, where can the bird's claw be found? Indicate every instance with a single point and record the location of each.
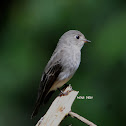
(65, 93)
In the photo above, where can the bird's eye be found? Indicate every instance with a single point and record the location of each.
(77, 37)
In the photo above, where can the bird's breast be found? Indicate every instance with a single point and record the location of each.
(70, 62)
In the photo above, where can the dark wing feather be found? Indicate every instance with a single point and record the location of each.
(48, 78)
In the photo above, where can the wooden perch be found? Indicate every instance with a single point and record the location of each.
(60, 108)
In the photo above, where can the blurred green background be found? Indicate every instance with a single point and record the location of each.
(29, 32)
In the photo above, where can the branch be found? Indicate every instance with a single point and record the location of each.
(60, 108)
(72, 114)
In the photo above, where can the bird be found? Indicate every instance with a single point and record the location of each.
(61, 67)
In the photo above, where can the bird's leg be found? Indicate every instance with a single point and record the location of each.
(64, 86)
(61, 92)
(64, 93)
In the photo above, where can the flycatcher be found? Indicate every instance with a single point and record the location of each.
(62, 65)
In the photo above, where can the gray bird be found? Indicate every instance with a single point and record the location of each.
(61, 67)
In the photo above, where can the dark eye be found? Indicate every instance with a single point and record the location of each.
(77, 37)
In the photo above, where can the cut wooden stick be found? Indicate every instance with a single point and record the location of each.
(60, 108)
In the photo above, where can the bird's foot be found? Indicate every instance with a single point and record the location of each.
(64, 87)
(64, 93)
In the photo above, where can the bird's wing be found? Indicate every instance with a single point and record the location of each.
(48, 78)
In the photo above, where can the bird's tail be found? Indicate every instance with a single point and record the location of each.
(39, 102)
(35, 111)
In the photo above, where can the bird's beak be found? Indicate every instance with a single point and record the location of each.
(87, 41)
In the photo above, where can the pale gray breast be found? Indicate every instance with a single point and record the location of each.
(70, 62)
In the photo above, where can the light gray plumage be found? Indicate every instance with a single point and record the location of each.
(62, 65)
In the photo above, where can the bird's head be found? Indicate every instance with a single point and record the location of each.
(74, 38)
